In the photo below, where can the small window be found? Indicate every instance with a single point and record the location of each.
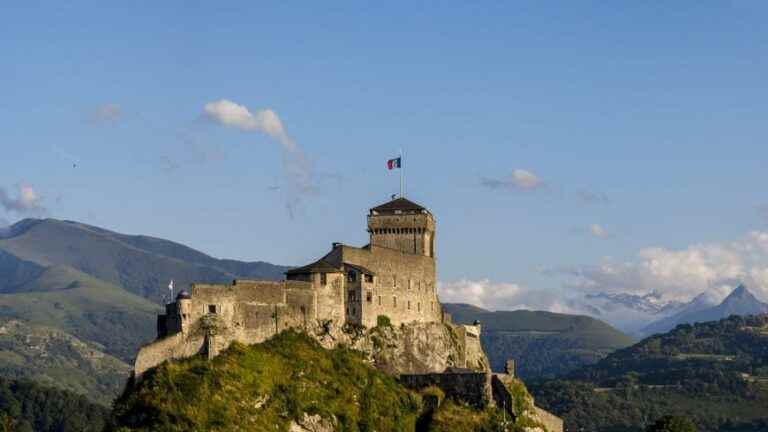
(351, 295)
(418, 307)
(394, 301)
(369, 297)
(212, 309)
(369, 278)
(394, 281)
(351, 276)
(379, 300)
(323, 279)
(409, 305)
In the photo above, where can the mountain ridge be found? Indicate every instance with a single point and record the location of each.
(541, 343)
(740, 301)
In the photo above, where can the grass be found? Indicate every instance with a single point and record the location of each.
(265, 387)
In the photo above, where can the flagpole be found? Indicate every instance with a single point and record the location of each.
(402, 188)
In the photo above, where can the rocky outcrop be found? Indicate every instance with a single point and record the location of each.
(412, 348)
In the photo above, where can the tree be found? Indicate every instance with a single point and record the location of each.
(672, 424)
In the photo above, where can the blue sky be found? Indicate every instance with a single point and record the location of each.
(657, 109)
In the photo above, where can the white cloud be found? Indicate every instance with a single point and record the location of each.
(519, 179)
(296, 167)
(598, 231)
(679, 274)
(26, 201)
(501, 296)
(266, 121)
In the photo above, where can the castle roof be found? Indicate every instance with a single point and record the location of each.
(319, 266)
(398, 204)
(183, 295)
(360, 269)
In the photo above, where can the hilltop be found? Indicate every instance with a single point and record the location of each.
(543, 344)
(714, 372)
(287, 383)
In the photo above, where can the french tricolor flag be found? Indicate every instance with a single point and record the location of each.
(394, 163)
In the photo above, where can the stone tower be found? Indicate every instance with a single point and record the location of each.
(404, 226)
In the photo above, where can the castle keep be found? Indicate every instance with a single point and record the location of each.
(394, 276)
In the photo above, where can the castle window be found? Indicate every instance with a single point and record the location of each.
(369, 297)
(212, 309)
(351, 295)
(394, 281)
(409, 305)
(394, 301)
(418, 307)
(379, 300)
(323, 279)
(351, 276)
(369, 278)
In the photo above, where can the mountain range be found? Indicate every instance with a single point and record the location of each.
(73, 285)
(739, 302)
(543, 344)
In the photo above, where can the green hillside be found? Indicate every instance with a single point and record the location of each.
(30, 407)
(57, 359)
(543, 344)
(89, 309)
(288, 380)
(715, 373)
(142, 265)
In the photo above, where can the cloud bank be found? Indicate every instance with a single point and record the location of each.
(679, 274)
(670, 275)
(501, 296)
(519, 179)
(297, 169)
(25, 202)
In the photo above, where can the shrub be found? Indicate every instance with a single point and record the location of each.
(383, 321)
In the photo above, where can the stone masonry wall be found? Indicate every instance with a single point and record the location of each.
(469, 387)
(404, 287)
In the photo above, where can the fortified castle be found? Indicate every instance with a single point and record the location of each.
(392, 279)
(380, 299)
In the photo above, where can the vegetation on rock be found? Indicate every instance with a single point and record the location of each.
(287, 381)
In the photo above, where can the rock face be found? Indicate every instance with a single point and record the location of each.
(416, 347)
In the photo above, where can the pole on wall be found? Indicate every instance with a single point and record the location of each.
(402, 180)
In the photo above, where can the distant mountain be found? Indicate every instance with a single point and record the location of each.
(97, 287)
(541, 343)
(140, 264)
(715, 373)
(740, 302)
(650, 303)
(57, 359)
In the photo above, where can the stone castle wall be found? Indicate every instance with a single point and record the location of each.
(404, 287)
(409, 233)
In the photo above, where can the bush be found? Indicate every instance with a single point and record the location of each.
(383, 321)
